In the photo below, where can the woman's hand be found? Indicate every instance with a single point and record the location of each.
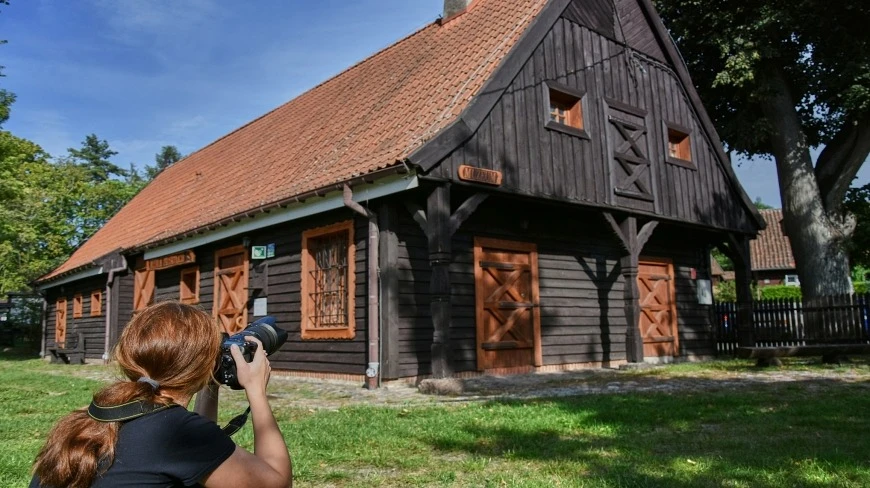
(253, 376)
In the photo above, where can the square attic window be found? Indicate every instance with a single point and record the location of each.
(564, 109)
(679, 146)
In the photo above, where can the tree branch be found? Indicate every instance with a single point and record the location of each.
(840, 161)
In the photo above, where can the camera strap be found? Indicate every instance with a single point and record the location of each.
(125, 411)
(237, 422)
(139, 408)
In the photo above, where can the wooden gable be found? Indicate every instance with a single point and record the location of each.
(634, 95)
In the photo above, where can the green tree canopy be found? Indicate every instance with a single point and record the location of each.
(94, 157)
(779, 77)
(49, 208)
(167, 156)
(32, 238)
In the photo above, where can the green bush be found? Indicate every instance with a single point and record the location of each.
(725, 291)
(861, 287)
(780, 292)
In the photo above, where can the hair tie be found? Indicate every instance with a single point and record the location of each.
(154, 383)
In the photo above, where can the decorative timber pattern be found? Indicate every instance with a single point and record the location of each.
(630, 168)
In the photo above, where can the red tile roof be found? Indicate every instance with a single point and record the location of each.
(369, 117)
(772, 249)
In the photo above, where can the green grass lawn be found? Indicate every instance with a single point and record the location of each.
(779, 434)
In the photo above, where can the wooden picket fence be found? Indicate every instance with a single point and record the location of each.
(843, 319)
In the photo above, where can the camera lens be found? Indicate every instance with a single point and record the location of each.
(265, 330)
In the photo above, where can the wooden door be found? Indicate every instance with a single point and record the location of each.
(658, 308)
(507, 304)
(60, 323)
(231, 288)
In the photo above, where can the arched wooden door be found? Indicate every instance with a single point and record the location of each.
(231, 288)
(506, 302)
(658, 308)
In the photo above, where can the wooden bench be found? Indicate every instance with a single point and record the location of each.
(72, 352)
(830, 353)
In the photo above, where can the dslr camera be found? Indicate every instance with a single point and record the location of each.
(263, 329)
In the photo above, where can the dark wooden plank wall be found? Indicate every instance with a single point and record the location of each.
(284, 281)
(93, 328)
(282, 291)
(167, 284)
(582, 316)
(581, 286)
(632, 29)
(553, 165)
(123, 307)
(415, 319)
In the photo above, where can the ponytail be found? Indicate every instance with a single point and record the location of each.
(80, 447)
(168, 351)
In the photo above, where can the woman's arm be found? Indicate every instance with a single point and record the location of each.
(270, 464)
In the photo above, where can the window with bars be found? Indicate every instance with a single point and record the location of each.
(328, 282)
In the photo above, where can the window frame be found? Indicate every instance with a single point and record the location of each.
(192, 299)
(668, 128)
(309, 332)
(96, 303)
(787, 282)
(567, 92)
(78, 305)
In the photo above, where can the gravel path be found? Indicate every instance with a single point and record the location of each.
(291, 391)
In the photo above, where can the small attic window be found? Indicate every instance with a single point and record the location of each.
(564, 109)
(679, 146)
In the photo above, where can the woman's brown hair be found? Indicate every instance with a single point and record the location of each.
(169, 342)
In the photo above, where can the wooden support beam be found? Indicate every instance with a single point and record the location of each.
(418, 214)
(440, 251)
(465, 210)
(389, 290)
(440, 224)
(632, 242)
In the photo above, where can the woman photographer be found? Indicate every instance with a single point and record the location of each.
(168, 353)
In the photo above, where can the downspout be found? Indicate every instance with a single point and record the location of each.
(373, 371)
(44, 326)
(108, 295)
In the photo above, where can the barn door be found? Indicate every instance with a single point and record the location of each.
(60, 323)
(658, 310)
(231, 288)
(506, 302)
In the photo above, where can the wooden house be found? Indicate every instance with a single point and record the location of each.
(520, 185)
(771, 255)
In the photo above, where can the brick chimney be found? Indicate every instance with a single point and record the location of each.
(452, 8)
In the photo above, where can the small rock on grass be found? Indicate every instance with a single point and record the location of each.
(442, 386)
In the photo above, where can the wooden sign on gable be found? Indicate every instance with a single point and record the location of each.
(479, 175)
(170, 261)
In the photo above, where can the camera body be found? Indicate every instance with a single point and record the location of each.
(263, 329)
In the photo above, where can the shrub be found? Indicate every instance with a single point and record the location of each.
(780, 291)
(861, 287)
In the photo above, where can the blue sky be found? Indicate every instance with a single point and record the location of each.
(143, 74)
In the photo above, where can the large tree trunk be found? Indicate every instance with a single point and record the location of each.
(817, 235)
